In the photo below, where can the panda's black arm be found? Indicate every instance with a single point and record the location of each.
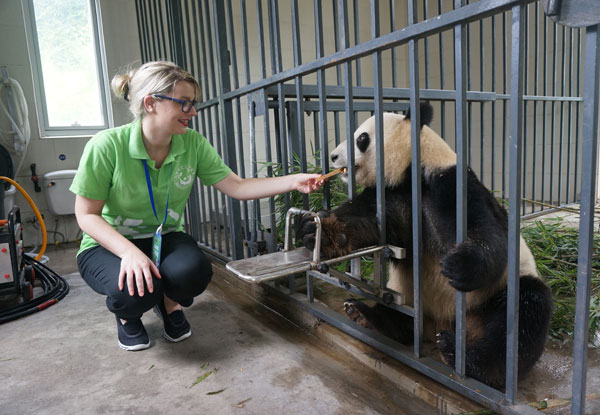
(479, 261)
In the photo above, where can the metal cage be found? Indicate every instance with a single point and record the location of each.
(516, 95)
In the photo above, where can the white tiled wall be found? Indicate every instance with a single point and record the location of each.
(122, 48)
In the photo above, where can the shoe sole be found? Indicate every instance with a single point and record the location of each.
(134, 348)
(178, 339)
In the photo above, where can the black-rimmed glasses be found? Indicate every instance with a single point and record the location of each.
(186, 105)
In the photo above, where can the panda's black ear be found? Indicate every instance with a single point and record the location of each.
(426, 113)
(362, 142)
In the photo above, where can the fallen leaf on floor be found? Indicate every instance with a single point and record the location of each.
(241, 404)
(555, 403)
(201, 378)
(215, 392)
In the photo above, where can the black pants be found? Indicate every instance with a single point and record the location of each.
(184, 269)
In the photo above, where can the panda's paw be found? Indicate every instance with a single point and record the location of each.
(352, 308)
(307, 228)
(462, 266)
(446, 341)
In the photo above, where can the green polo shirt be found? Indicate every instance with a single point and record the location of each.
(111, 169)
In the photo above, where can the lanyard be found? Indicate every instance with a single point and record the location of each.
(149, 183)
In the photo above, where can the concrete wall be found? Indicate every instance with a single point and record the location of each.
(121, 46)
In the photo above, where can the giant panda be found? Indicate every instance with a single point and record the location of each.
(477, 266)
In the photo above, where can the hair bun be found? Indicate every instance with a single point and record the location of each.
(120, 85)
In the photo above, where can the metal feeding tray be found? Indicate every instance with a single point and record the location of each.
(288, 262)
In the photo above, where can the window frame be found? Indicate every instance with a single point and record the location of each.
(45, 130)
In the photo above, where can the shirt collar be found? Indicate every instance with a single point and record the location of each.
(137, 150)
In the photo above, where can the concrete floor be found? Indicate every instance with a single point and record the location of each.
(65, 360)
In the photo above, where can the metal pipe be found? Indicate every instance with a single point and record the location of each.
(516, 143)
(586, 223)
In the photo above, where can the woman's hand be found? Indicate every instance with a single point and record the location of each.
(137, 268)
(306, 183)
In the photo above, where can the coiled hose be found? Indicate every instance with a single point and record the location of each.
(54, 286)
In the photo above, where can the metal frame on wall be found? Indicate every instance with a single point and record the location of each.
(516, 94)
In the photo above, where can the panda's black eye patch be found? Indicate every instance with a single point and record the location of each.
(362, 142)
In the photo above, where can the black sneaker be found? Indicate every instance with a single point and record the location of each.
(176, 326)
(132, 335)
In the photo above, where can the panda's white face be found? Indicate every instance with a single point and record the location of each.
(364, 149)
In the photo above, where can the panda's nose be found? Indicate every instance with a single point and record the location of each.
(334, 157)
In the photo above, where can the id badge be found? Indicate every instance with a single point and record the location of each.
(156, 246)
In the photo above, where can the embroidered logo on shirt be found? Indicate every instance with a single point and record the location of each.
(184, 176)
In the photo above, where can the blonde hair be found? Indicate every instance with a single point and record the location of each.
(157, 77)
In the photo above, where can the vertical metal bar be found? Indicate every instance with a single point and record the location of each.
(578, 106)
(271, 242)
(481, 88)
(245, 52)
(200, 189)
(525, 40)
(283, 147)
(261, 39)
(299, 94)
(504, 91)
(426, 45)
(349, 102)
(253, 203)
(535, 105)
(561, 132)
(227, 129)
(460, 73)
(215, 141)
(392, 29)
(175, 24)
(380, 269)
(493, 123)
(552, 115)
(321, 85)
(442, 75)
(141, 29)
(163, 36)
(310, 292)
(415, 125)
(586, 224)
(205, 195)
(357, 38)
(516, 131)
(153, 27)
(469, 103)
(207, 120)
(570, 117)
(544, 117)
(338, 69)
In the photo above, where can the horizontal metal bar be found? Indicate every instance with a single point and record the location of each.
(333, 91)
(358, 106)
(467, 14)
(541, 98)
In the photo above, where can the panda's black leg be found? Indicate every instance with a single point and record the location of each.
(486, 357)
(535, 315)
(389, 322)
(481, 362)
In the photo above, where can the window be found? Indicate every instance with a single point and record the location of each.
(68, 65)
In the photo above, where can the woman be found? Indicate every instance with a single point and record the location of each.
(131, 188)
